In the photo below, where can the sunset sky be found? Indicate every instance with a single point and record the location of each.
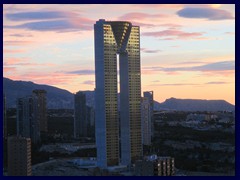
(187, 51)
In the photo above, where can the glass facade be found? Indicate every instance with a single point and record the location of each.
(112, 38)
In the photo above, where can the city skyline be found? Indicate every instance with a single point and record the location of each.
(190, 48)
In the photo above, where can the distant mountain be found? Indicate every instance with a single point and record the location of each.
(59, 98)
(56, 97)
(194, 105)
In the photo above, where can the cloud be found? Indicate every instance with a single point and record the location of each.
(57, 25)
(171, 25)
(176, 84)
(173, 34)
(59, 21)
(217, 66)
(206, 13)
(13, 61)
(50, 78)
(8, 69)
(12, 51)
(220, 82)
(149, 51)
(230, 33)
(89, 82)
(140, 16)
(21, 35)
(147, 25)
(136, 17)
(190, 62)
(16, 43)
(38, 15)
(82, 72)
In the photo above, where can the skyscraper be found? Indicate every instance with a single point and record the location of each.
(80, 115)
(149, 95)
(25, 117)
(41, 110)
(19, 156)
(27, 120)
(117, 39)
(32, 116)
(146, 121)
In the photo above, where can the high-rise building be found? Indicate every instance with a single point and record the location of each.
(146, 121)
(149, 95)
(32, 116)
(91, 121)
(19, 159)
(117, 40)
(27, 121)
(41, 110)
(80, 115)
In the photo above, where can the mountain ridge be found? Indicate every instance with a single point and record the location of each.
(58, 98)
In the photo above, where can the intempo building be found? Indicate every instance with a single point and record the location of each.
(118, 139)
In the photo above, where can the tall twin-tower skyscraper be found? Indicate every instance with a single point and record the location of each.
(118, 139)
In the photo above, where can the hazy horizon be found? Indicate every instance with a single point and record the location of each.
(142, 95)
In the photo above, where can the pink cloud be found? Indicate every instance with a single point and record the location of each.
(11, 51)
(8, 69)
(171, 26)
(178, 34)
(16, 43)
(142, 24)
(45, 78)
(13, 61)
(140, 16)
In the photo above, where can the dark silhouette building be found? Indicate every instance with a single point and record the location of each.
(40, 110)
(32, 116)
(19, 159)
(80, 115)
(149, 95)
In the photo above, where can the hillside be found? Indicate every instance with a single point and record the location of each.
(56, 97)
(194, 105)
(59, 98)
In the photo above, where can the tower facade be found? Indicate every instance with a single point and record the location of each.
(80, 115)
(120, 38)
(19, 159)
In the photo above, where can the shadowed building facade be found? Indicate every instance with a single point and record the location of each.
(80, 115)
(19, 159)
(41, 110)
(146, 121)
(149, 95)
(114, 38)
(32, 116)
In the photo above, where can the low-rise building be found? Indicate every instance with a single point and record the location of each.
(155, 166)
